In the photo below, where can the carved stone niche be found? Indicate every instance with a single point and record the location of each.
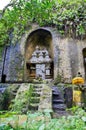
(40, 64)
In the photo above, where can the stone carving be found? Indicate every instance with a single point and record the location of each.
(40, 56)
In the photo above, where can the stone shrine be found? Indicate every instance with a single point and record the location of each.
(40, 65)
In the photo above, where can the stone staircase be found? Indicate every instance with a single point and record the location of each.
(35, 98)
(43, 97)
(40, 98)
(58, 105)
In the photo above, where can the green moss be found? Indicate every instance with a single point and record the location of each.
(1, 51)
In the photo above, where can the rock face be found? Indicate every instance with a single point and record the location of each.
(66, 53)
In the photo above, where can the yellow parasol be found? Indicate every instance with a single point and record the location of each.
(78, 80)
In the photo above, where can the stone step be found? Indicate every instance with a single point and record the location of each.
(60, 113)
(55, 89)
(59, 107)
(37, 87)
(34, 97)
(33, 106)
(55, 93)
(57, 101)
(35, 94)
(56, 97)
(35, 100)
(37, 90)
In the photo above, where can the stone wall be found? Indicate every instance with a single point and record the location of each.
(2, 50)
(68, 57)
(71, 58)
(13, 67)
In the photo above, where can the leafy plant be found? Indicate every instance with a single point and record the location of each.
(39, 121)
(68, 16)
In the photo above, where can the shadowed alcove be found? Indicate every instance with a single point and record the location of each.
(39, 55)
(84, 59)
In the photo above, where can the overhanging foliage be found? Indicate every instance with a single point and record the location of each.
(69, 17)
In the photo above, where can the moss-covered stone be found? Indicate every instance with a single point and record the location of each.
(45, 98)
(21, 101)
